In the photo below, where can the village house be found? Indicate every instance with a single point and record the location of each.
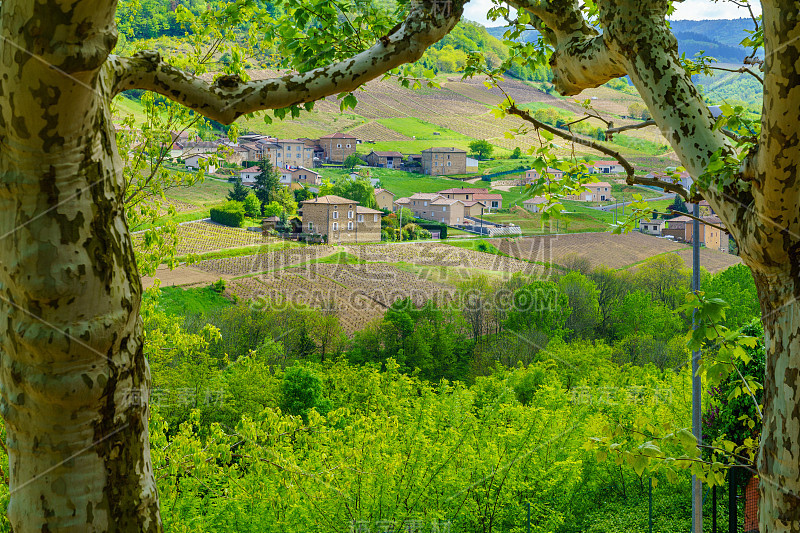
(441, 161)
(433, 206)
(249, 175)
(473, 208)
(384, 198)
(683, 178)
(341, 219)
(301, 175)
(337, 146)
(193, 162)
(682, 230)
(652, 227)
(384, 159)
(595, 192)
(471, 165)
(605, 167)
(185, 149)
(534, 204)
(550, 174)
(490, 201)
(400, 203)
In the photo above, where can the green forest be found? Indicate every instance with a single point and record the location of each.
(452, 416)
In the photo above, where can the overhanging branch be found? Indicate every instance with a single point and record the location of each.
(524, 115)
(228, 97)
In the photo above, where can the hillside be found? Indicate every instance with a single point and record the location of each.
(409, 121)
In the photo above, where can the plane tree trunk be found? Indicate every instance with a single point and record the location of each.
(760, 205)
(74, 384)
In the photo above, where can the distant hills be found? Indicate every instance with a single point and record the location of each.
(716, 38)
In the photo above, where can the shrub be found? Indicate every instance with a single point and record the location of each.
(229, 214)
(252, 205)
(302, 391)
(218, 286)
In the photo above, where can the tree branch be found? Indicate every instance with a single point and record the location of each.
(228, 97)
(611, 131)
(740, 70)
(668, 186)
(524, 115)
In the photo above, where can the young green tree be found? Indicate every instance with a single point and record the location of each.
(252, 205)
(75, 380)
(239, 192)
(268, 182)
(284, 197)
(352, 160)
(481, 148)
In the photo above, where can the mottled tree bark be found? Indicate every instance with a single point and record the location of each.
(761, 208)
(74, 384)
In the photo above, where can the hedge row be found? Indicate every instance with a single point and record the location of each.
(229, 214)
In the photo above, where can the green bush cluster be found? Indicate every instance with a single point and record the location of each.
(231, 213)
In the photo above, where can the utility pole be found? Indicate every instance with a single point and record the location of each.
(697, 429)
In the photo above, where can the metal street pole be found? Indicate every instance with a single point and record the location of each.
(697, 486)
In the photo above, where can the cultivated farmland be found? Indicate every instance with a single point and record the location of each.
(200, 237)
(613, 251)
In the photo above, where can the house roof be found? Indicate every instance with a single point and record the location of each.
(682, 218)
(329, 199)
(462, 190)
(388, 154)
(599, 184)
(403, 200)
(470, 203)
(488, 196)
(425, 196)
(366, 210)
(445, 201)
(659, 221)
(440, 149)
(381, 189)
(602, 163)
(250, 169)
(536, 200)
(337, 135)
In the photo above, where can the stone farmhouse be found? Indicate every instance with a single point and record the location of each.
(341, 219)
(301, 175)
(385, 159)
(441, 161)
(337, 146)
(436, 207)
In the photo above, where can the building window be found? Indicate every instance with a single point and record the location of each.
(348, 146)
(444, 208)
(335, 226)
(426, 204)
(361, 218)
(448, 163)
(349, 214)
(335, 214)
(494, 204)
(310, 227)
(375, 217)
(349, 225)
(338, 146)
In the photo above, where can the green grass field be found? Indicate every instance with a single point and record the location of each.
(414, 127)
(180, 302)
(209, 193)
